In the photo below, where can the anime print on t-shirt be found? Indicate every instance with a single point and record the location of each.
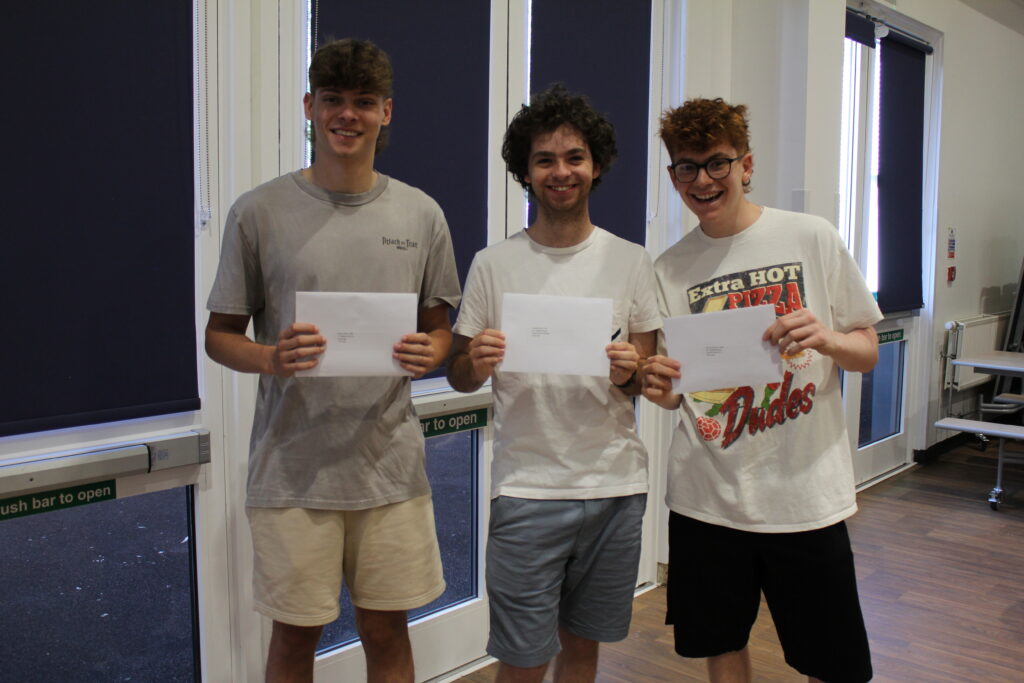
(726, 414)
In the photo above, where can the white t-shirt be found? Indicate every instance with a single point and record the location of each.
(772, 458)
(563, 436)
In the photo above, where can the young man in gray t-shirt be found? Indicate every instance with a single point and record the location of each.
(337, 485)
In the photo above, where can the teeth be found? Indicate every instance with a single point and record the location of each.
(560, 188)
(345, 133)
(707, 197)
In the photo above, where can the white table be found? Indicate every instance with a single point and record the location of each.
(1008, 364)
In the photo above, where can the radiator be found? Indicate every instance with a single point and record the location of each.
(969, 337)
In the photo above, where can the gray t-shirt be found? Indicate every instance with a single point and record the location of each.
(332, 443)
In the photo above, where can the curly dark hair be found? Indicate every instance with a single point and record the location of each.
(352, 64)
(546, 112)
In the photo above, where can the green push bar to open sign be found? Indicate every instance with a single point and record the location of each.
(890, 336)
(57, 499)
(454, 422)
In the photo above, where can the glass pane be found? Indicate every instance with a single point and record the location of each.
(849, 139)
(881, 398)
(101, 592)
(871, 271)
(452, 470)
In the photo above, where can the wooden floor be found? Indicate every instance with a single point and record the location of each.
(941, 581)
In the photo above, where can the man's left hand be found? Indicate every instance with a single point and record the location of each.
(416, 353)
(800, 330)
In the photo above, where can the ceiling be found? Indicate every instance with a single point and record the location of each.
(1010, 13)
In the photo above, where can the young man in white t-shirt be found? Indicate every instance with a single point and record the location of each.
(569, 475)
(761, 478)
(337, 486)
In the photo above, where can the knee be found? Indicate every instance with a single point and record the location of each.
(381, 629)
(293, 637)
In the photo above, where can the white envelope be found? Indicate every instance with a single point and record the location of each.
(361, 329)
(557, 335)
(723, 349)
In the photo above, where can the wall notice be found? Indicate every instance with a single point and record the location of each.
(890, 336)
(453, 422)
(58, 499)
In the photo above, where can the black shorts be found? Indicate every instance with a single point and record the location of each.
(715, 578)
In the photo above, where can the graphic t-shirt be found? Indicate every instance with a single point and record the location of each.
(772, 458)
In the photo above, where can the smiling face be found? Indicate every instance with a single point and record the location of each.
(561, 172)
(347, 122)
(719, 204)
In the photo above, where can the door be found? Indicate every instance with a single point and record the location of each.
(875, 402)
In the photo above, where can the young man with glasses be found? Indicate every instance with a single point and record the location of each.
(569, 476)
(337, 482)
(761, 478)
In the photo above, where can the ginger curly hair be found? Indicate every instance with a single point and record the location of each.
(700, 124)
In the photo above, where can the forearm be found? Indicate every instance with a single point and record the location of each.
(856, 351)
(462, 374)
(238, 352)
(441, 344)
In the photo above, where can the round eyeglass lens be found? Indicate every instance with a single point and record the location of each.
(719, 168)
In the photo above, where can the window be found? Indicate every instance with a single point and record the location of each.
(453, 470)
(881, 395)
(97, 268)
(441, 56)
(101, 592)
(883, 162)
(614, 82)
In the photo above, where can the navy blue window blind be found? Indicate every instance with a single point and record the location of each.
(900, 175)
(860, 29)
(440, 53)
(900, 163)
(601, 48)
(97, 265)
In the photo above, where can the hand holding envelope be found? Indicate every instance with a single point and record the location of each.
(361, 329)
(723, 349)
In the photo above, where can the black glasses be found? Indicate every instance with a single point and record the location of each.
(717, 168)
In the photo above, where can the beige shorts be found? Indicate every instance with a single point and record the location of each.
(388, 556)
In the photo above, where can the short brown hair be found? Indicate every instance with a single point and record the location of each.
(700, 124)
(351, 64)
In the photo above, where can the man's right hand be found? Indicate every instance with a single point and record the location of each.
(657, 375)
(486, 350)
(473, 360)
(299, 347)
